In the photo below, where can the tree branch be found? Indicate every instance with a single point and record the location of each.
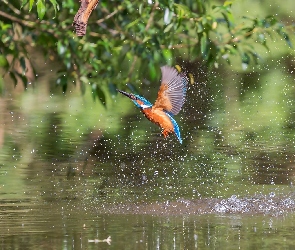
(149, 22)
(107, 17)
(17, 20)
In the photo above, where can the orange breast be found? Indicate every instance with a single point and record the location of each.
(159, 117)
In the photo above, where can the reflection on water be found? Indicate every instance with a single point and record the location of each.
(73, 173)
(54, 226)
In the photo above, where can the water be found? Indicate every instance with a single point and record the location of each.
(73, 173)
(54, 225)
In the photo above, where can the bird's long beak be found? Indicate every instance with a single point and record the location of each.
(131, 96)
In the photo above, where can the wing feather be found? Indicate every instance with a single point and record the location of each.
(171, 95)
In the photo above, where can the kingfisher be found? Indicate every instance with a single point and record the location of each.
(171, 97)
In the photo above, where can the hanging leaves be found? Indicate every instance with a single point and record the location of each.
(41, 9)
(131, 39)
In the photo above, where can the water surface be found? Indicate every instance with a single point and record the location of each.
(73, 172)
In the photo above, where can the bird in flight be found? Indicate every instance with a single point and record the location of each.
(171, 97)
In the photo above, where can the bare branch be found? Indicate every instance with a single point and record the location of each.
(107, 17)
(82, 16)
(17, 20)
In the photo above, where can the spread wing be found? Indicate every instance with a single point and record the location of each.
(171, 95)
(82, 16)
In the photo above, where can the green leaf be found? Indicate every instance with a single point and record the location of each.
(140, 8)
(245, 60)
(63, 82)
(83, 88)
(181, 10)
(84, 79)
(112, 88)
(3, 61)
(146, 38)
(24, 2)
(244, 56)
(285, 36)
(132, 23)
(61, 48)
(229, 48)
(101, 96)
(168, 27)
(204, 46)
(93, 91)
(273, 20)
(41, 9)
(31, 5)
(255, 56)
(168, 14)
(228, 3)
(22, 62)
(64, 88)
(200, 27)
(229, 19)
(167, 53)
(12, 75)
(24, 79)
(55, 5)
(153, 72)
(132, 87)
(201, 7)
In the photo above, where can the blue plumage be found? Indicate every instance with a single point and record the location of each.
(146, 103)
(176, 127)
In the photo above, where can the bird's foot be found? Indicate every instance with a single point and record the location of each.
(165, 133)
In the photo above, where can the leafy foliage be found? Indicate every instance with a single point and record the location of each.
(132, 36)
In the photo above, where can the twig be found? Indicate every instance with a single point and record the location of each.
(107, 17)
(15, 10)
(132, 66)
(17, 20)
(149, 22)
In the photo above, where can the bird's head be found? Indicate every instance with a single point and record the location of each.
(139, 101)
